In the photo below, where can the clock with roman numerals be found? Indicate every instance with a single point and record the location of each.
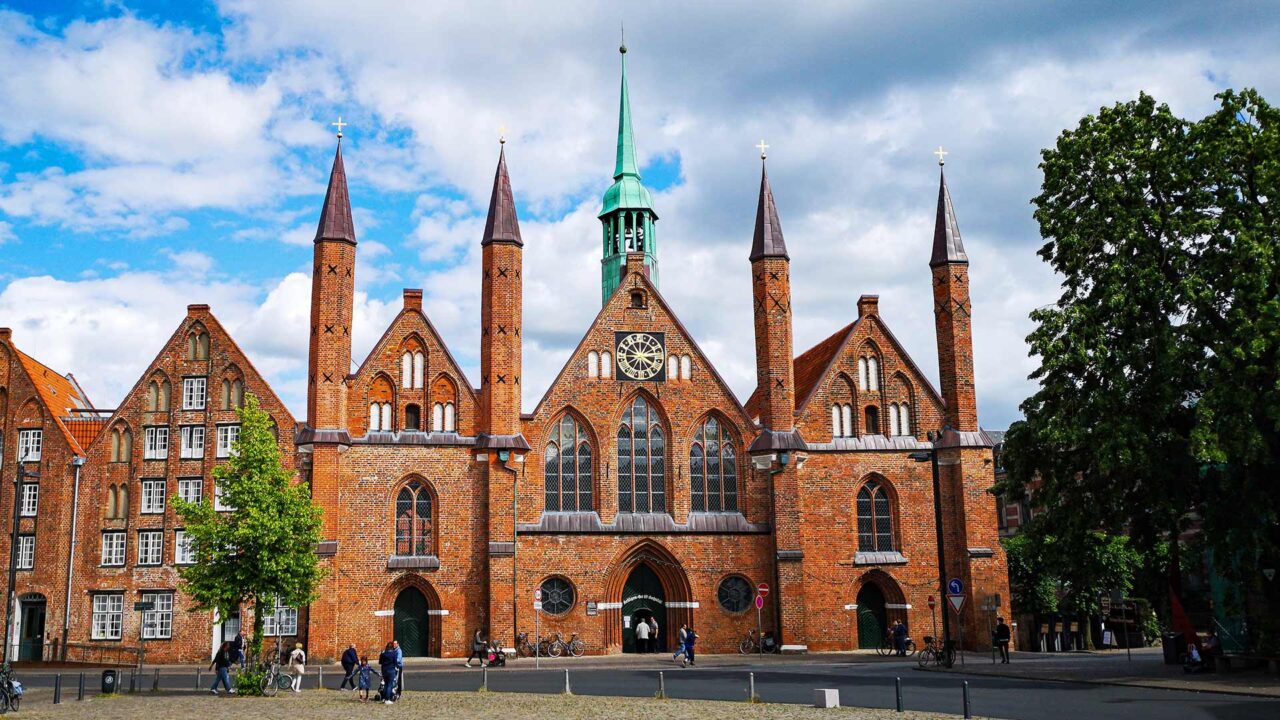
(640, 356)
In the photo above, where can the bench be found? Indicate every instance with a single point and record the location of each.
(1223, 663)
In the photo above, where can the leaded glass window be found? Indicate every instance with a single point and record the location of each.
(735, 594)
(713, 469)
(641, 460)
(413, 520)
(875, 523)
(567, 467)
(557, 596)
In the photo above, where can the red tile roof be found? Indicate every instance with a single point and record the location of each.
(810, 367)
(60, 395)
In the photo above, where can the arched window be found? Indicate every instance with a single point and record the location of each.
(380, 417)
(419, 369)
(450, 418)
(406, 370)
(593, 364)
(437, 417)
(412, 417)
(835, 421)
(875, 521)
(842, 420)
(413, 520)
(110, 509)
(862, 373)
(872, 417)
(713, 469)
(198, 345)
(686, 367)
(567, 467)
(115, 445)
(873, 374)
(606, 365)
(641, 460)
(121, 444)
(904, 419)
(893, 419)
(673, 368)
(122, 500)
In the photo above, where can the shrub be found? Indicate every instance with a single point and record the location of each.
(249, 681)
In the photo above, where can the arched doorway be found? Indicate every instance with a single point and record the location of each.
(643, 598)
(31, 634)
(411, 624)
(872, 616)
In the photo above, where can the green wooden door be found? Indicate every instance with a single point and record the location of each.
(871, 618)
(642, 596)
(411, 622)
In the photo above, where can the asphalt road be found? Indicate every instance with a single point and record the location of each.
(862, 684)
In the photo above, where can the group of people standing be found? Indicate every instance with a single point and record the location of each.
(359, 673)
(231, 652)
(647, 635)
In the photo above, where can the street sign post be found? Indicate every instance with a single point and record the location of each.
(956, 599)
(763, 589)
(759, 618)
(144, 607)
(537, 629)
(933, 611)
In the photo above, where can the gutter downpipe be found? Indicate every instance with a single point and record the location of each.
(77, 461)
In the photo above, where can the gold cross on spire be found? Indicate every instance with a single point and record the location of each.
(502, 134)
(942, 155)
(339, 125)
(762, 147)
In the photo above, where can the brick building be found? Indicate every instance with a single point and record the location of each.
(638, 487)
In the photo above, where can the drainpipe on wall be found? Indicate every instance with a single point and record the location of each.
(77, 462)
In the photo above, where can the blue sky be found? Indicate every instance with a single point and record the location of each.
(155, 154)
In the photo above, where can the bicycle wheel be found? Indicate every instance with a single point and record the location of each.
(4, 702)
(577, 648)
(885, 648)
(911, 647)
(947, 659)
(556, 649)
(284, 682)
(746, 647)
(269, 685)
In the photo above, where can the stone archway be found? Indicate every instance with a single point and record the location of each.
(880, 603)
(642, 565)
(416, 616)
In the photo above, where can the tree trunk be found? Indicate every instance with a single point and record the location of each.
(259, 621)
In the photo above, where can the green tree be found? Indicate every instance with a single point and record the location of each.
(262, 551)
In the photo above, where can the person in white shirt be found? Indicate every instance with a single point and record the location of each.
(297, 666)
(642, 636)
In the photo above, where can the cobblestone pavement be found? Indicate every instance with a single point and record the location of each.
(332, 705)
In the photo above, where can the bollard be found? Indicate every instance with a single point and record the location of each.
(897, 687)
(751, 688)
(567, 691)
(967, 712)
(155, 681)
(484, 678)
(662, 685)
(80, 688)
(132, 679)
(320, 679)
(198, 683)
(57, 689)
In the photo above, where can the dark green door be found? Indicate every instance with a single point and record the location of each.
(31, 645)
(411, 622)
(872, 624)
(643, 597)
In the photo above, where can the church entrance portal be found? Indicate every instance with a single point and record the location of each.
(411, 622)
(643, 597)
(872, 617)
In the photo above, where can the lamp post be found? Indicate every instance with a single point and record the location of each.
(931, 456)
(18, 481)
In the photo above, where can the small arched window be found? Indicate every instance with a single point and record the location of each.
(862, 374)
(198, 346)
(904, 419)
(606, 365)
(593, 364)
(642, 451)
(122, 500)
(412, 417)
(873, 374)
(835, 421)
(437, 417)
(893, 420)
(450, 418)
(686, 367)
(567, 467)
(872, 417)
(226, 395)
(115, 445)
(406, 370)
(380, 417)
(419, 369)
(414, 531)
(153, 396)
(713, 469)
(673, 368)
(842, 420)
(110, 509)
(875, 520)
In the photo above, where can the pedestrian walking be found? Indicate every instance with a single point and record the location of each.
(654, 645)
(1002, 635)
(478, 648)
(238, 647)
(221, 664)
(350, 661)
(680, 638)
(899, 637)
(297, 666)
(388, 664)
(690, 638)
(642, 636)
(399, 653)
(364, 675)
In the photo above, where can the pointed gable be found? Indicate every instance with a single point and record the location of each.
(61, 396)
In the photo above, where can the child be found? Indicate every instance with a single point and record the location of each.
(364, 674)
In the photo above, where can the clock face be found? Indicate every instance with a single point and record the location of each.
(640, 356)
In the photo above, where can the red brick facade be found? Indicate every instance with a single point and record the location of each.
(446, 508)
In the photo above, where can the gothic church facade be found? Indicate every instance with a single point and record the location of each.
(638, 487)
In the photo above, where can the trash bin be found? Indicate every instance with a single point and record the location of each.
(1175, 644)
(109, 681)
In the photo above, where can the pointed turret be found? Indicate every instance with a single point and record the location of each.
(627, 213)
(768, 241)
(947, 247)
(335, 214)
(502, 226)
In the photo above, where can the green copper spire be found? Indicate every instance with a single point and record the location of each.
(627, 213)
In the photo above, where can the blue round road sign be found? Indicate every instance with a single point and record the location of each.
(955, 587)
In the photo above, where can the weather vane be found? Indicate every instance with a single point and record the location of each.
(339, 125)
(762, 147)
(942, 155)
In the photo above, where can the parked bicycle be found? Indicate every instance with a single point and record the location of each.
(575, 646)
(10, 690)
(551, 646)
(943, 655)
(274, 680)
(751, 645)
(888, 648)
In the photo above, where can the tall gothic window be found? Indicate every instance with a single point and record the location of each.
(875, 523)
(641, 460)
(413, 520)
(567, 470)
(713, 469)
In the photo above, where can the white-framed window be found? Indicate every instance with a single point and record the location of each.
(406, 370)
(30, 499)
(893, 420)
(686, 367)
(191, 489)
(673, 368)
(156, 446)
(283, 622)
(218, 503)
(380, 417)
(194, 391)
(183, 554)
(192, 442)
(873, 374)
(444, 417)
(227, 436)
(157, 624)
(113, 548)
(150, 547)
(606, 365)
(904, 418)
(29, 444)
(419, 369)
(593, 364)
(152, 497)
(26, 552)
(108, 616)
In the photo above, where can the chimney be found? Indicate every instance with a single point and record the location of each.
(868, 305)
(197, 310)
(413, 299)
(6, 333)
